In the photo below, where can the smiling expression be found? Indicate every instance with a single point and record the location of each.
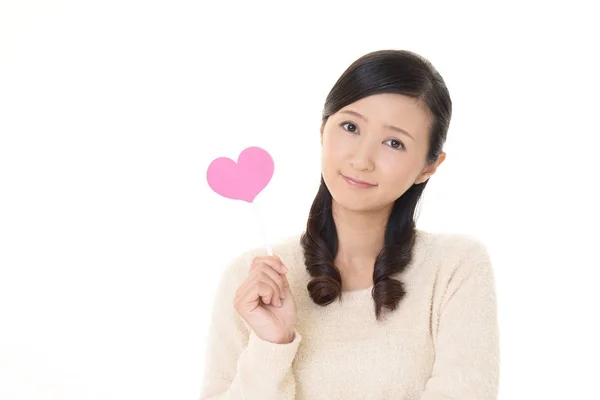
(381, 140)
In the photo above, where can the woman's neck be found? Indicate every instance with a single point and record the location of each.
(360, 238)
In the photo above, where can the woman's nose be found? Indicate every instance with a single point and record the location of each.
(362, 159)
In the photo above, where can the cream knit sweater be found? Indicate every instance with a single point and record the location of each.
(441, 343)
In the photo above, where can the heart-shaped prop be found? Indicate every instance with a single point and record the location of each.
(243, 180)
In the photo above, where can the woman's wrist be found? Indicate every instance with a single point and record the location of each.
(287, 339)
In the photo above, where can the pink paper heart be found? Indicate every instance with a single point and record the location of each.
(244, 180)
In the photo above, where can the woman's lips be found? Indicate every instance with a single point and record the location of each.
(357, 184)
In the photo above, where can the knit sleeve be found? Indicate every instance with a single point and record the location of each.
(239, 364)
(466, 341)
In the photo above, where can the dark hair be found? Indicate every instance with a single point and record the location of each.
(384, 71)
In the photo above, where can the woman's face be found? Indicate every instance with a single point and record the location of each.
(381, 139)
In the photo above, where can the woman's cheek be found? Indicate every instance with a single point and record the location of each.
(340, 144)
(395, 166)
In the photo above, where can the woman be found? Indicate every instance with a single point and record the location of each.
(363, 305)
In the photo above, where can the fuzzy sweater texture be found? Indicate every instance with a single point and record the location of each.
(441, 343)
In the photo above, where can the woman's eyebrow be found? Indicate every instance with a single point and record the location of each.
(352, 112)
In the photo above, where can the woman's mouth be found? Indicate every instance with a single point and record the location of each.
(355, 183)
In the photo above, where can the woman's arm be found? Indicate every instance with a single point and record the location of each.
(466, 339)
(239, 364)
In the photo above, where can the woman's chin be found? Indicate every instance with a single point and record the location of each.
(353, 203)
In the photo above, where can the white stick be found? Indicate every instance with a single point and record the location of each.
(262, 227)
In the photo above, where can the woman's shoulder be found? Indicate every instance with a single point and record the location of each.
(451, 255)
(451, 239)
(290, 247)
(450, 246)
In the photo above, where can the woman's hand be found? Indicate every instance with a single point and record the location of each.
(264, 300)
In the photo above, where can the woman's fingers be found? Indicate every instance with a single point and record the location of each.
(272, 261)
(266, 281)
(277, 278)
(261, 285)
(249, 296)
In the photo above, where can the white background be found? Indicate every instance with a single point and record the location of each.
(111, 241)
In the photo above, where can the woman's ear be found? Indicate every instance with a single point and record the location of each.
(431, 168)
(321, 130)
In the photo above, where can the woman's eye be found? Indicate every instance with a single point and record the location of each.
(396, 144)
(351, 127)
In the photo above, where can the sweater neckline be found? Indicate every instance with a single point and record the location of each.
(353, 294)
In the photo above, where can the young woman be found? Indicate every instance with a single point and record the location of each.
(363, 305)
